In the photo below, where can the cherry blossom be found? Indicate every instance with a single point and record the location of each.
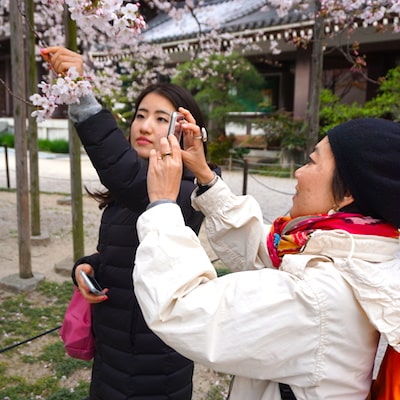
(65, 89)
(112, 16)
(113, 27)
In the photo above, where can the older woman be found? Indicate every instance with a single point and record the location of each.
(324, 282)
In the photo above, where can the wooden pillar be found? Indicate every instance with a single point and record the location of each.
(19, 110)
(301, 84)
(75, 160)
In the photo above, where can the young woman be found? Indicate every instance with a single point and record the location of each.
(325, 281)
(130, 362)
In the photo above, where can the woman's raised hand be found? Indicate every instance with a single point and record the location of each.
(193, 154)
(62, 59)
(165, 170)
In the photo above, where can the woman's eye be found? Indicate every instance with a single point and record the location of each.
(309, 160)
(139, 116)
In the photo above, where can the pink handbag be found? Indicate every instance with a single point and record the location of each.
(76, 329)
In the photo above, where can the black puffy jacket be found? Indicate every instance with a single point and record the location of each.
(130, 362)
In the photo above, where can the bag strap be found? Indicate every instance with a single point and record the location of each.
(286, 392)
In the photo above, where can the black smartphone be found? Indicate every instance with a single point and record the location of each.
(93, 285)
(175, 125)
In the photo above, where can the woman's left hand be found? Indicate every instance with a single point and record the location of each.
(62, 59)
(165, 170)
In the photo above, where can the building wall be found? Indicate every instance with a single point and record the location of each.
(50, 129)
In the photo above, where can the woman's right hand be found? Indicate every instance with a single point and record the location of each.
(62, 59)
(193, 154)
(83, 287)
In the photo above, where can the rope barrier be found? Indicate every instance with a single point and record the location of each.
(252, 176)
(29, 340)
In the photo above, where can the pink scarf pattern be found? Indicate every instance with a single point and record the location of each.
(289, 236)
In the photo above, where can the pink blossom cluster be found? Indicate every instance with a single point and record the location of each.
(341, 11)
(65, 89)
(110, 16)
(112, 27)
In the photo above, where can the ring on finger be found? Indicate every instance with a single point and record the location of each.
(165, 155)
(203, 136)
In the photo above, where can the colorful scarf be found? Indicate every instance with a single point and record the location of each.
(289, 236)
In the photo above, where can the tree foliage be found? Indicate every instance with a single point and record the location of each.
(221, 84)
(385, 105)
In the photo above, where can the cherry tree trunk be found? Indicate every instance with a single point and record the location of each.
(75, 161)
(32, 124)
(19, 111)
(317, 57)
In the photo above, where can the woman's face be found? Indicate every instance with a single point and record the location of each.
(314, 193)
(150, 123)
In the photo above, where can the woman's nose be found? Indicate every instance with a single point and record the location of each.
(298, 170)
(146, 125)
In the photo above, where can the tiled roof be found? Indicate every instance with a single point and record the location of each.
(226, 15)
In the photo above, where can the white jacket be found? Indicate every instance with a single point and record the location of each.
(310, 324)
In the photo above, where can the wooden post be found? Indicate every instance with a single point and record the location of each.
(245, 175)
(75, 160)
(32, 124)
(19, 110)
(317, 58)
(7, 167)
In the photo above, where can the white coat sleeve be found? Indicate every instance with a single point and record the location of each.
(236, 323)
(235, 227)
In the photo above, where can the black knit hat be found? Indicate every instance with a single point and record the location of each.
(367, 154)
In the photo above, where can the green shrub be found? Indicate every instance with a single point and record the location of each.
(54, 146)
(219, 149)
(387, 102)
(59, 146)
(333, 113)
(384, 105)
(7, 139)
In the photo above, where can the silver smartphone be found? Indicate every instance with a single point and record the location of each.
(175, 127)
(93, 285)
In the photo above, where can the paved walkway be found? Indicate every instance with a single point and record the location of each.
(54, 171)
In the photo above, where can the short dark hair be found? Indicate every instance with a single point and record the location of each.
(339, 188)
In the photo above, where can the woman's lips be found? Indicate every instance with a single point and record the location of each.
(143, 141)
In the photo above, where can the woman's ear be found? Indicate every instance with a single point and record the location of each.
(347, 199)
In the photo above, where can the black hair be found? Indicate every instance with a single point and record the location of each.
(177, 95)
(340, 190)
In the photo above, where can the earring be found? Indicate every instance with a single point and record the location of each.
(334, 209)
